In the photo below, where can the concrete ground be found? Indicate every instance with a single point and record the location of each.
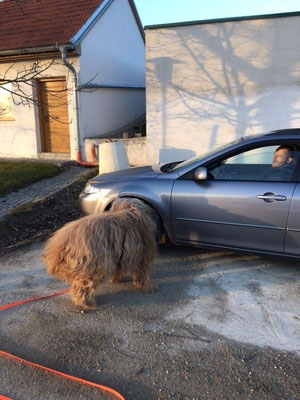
(221, 326)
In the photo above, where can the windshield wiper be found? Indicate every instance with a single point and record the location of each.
(168, 167)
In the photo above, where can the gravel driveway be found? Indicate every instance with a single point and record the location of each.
(221, 326)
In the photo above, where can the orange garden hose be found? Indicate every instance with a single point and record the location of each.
(61, 374)
(19, 303)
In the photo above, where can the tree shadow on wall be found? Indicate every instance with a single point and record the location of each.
(234, 75)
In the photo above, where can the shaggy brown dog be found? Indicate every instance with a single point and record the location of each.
(105, 246)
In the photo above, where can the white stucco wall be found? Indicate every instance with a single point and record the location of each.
(208, 84)
(20, 137)
(113, 52)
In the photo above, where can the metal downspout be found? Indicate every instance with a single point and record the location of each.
(63, 50)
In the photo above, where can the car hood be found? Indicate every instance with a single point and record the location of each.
(129, 173)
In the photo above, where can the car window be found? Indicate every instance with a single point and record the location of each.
(190, 161)
(269, 163)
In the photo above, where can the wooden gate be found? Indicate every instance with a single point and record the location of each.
(53, 112)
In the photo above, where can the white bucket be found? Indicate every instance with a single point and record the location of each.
(112, 157)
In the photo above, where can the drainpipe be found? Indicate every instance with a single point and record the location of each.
(63, 51)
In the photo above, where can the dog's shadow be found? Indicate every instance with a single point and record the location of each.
(172, 272)
(121, 294)
(175, 270)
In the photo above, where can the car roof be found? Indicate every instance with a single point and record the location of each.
(271, 136)
(275, 134)
(290, 131)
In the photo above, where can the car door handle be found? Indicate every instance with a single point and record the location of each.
(270, 197)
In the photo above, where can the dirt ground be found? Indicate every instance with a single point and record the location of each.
(221, 326)
(34, 222)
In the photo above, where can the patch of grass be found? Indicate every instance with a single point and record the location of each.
(16, 175)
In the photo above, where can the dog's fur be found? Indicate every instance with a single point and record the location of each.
(105, 246)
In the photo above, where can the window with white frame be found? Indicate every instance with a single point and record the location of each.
(6, 103)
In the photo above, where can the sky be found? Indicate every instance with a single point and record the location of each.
(154, 12)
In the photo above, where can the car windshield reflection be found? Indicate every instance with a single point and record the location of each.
(178, 165)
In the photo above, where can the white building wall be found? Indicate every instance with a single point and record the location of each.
(20, 137)
(113, 52)
(208, 84)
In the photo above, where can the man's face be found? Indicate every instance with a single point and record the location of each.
(281, 157)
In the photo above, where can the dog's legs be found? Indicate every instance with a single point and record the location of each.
(82, 291)
(142, 280)
(116, 276)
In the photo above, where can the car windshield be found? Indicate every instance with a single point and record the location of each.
(175, 166)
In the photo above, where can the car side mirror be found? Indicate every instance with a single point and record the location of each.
(200, 174)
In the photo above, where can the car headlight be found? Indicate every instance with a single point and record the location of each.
(90, 188)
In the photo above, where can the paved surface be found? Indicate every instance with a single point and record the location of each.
(222, 326)
(40, 190)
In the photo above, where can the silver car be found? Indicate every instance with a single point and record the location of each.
(245, 196)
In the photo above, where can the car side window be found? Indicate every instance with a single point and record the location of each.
(269, 163)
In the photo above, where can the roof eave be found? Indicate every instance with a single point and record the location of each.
(222, 20)
(33, 50)
(77, 38)
(137, 18)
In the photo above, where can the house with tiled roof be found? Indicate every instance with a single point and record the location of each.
(69, 70)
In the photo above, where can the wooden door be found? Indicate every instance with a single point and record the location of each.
(54, 119)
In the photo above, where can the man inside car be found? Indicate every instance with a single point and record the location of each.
(282, 163)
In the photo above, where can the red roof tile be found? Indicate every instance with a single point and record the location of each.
(38, 23)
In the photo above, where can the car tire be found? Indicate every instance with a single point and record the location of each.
(159, 226)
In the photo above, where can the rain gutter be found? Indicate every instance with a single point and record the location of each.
(63, 50)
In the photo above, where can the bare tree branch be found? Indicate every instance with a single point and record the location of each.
(21, 83)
